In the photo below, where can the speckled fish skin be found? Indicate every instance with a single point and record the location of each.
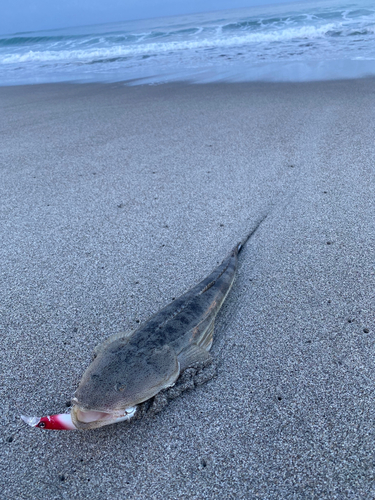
(133, 367)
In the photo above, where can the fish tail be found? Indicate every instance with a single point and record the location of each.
(242, 243)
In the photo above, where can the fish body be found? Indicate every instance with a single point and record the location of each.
(130, 368)
(133, 368)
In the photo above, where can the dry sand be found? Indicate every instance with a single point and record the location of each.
(116, 199)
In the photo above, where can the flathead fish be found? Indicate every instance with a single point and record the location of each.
(130, 368)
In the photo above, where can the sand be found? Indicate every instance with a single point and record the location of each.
(116, 199)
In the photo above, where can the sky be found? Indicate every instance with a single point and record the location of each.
(36, 15)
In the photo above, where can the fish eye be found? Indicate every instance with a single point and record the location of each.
(41, 424)
(120, 387)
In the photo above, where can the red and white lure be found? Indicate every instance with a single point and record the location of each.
(60, 422)
(63, 421)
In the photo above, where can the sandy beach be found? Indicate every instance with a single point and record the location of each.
(116, 199)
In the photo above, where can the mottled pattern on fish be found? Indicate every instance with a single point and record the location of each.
(133, 367)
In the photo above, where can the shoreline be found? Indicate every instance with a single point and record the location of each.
(187, 83)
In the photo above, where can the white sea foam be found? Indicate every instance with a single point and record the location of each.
(305, 32)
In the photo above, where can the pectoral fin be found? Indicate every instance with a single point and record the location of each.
(192, 355)
(164, 366)
(206, 341)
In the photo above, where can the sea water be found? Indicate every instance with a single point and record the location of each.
(289, 42)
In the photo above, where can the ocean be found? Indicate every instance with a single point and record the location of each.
(290, 42)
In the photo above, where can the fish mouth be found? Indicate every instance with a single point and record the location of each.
(91, 419)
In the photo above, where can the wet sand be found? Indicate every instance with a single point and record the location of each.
(116, 199)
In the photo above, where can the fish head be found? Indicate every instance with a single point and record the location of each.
(118, 379)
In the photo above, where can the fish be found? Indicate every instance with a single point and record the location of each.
(133, 367)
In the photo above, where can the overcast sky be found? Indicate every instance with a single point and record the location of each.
(34, 15)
